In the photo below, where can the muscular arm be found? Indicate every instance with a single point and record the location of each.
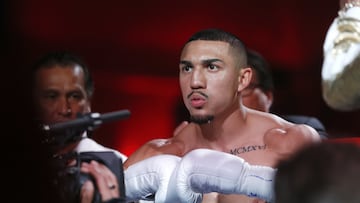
(288, 140)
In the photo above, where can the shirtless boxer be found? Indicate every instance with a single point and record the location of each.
(213, 73)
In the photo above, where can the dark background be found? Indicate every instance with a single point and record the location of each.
(133, 47)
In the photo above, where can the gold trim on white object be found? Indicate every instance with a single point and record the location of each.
(348, 29)
(349, 34)
(347, 6)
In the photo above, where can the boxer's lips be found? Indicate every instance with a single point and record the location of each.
(197, 102)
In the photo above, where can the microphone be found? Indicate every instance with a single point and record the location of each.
(89, 121)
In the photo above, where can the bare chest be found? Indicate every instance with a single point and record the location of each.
(255, 153)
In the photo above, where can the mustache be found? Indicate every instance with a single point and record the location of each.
(198, 92)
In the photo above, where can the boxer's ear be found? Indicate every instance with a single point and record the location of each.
(245, 75)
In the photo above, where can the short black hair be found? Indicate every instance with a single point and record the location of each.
(262, 70)
(214, 34)
(65, 58)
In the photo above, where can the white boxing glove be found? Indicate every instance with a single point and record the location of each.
(151, 177)
(204, 171)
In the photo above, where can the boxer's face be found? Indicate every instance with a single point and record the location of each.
(60, 93)
(209, 78)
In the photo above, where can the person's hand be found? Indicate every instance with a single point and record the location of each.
(106, 182)
(180, 127)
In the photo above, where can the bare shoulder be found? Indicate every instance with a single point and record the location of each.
(153, 148)
(289, 138)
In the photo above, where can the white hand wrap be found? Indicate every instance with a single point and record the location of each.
(151, 176)
(204, 171)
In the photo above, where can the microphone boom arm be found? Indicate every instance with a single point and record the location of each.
(88, 121)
